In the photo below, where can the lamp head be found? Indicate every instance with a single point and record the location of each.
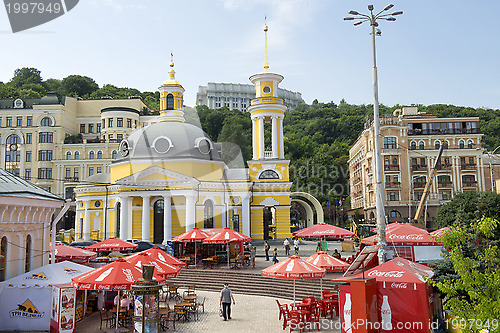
(370, 7)
(353, 12)
(389, 7)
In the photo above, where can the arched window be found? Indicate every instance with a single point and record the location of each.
(421, 145)
(99, 155)
(395, 213)
(46, 121)
(413, 145)
(13, 154)
(208, 214)
(77, 155)
(461, 144)
(269, 174)
(470, 144)
(3, 256)
(170, 102)
(114, 154)
(445, 144)
(437, 144)
(27, 261)
(68, 155)
(91, 155)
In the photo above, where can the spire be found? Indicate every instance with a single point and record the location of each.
(266, 60)
(172, 72)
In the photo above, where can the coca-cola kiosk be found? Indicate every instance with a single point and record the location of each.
(358, 305)
(62, 318)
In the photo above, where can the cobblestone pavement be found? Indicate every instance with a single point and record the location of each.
(249, 314)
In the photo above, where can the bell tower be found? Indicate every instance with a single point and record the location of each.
(171, 97)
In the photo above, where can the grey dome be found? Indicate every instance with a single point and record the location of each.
(51, 98)
(169, 140)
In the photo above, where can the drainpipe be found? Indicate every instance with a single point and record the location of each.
(53, 226)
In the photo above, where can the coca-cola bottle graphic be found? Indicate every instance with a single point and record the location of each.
(347, 314)
(386, 314)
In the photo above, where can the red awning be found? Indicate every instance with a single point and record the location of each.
(75, 254)
(294, 268)
(162, 256)
(118, 275)
(440, 232)
(112, 244)
(404, 235)
(162, 269)
(193, 235)
(227, 236)
(326, 261)
(324, 230)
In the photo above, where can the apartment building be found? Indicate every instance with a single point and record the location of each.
(410, 144)
(57, 142)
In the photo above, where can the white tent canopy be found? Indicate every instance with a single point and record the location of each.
(26, 299)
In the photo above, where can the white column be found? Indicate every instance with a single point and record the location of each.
(167, 219)
(275, 137)
(146, 233)
(45, 242)
(86, 221)
(129, 218)
(245, 211)
(280, 136)
(21, 254)
(254, 138)
(105, 221)
(261, 137)
(124, 217)
(190, 211)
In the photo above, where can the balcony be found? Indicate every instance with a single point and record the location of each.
(445, 184)
(70, 179)
(469, 183)
(392, 167)
(419, 167)
(418, 184)
(443, 167)
(443, 131)
(268, 154)
(370, 187)
(468, 166)
(392, 185)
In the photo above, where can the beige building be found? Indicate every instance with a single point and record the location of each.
(57, 142)
(410, 145)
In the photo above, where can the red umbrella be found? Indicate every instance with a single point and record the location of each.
(162, 270)
(194, 235)
(326, 261)
(404, 235)
(160, 255)
(388, 226)
(112, 244)
(71, 253)
(439, 232)
(294, 268)
(325, 231)
(225, 236)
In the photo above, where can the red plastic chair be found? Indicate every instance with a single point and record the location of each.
(295, 320)
(282, 308)
(325, 293)
(314, 316)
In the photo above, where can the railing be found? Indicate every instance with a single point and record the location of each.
(419, 167)
(445, 184)
(393, 167)
(468, 166)
(443, 167)
(268, 154)
(469, 183)
(71, 179)
(443, 131)
(418, 184)
(392, 184)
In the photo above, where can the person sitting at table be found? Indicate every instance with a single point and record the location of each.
(124, 301)
(336, 254)
(239, 259)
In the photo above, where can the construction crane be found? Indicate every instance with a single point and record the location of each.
(427, 189)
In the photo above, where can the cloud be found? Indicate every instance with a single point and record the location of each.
(120, 5)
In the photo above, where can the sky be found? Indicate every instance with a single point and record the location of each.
(437, 52)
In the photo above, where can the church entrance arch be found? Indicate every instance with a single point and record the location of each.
(158, 221)
(269, 222)
(312, 206)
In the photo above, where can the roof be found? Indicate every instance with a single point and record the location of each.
(12, 185)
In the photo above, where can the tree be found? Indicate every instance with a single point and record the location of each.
(53, 85)
(474, 291)
(78, 85)
(24, 76)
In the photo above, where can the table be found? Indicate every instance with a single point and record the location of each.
(299, 305)
(209, 262)
(191, 298)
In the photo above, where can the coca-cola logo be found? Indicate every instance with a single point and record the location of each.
(377, 273)
(406, 237)
(104, 287)
(401, 285)
(85, 286)
(347, 312)
(386, 311)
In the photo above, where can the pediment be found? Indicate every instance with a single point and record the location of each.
(155, 174)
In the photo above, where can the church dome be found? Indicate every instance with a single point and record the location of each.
(168, 140)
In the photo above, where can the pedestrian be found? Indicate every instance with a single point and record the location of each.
(275, 256)
(296, 243)
(286, 245)
(318, 248)
(266, 248)
(252, 256)
(225, 301)
(336, 254)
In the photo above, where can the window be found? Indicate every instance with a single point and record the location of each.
(396, 179)
(68, 155)
(421, 145)
(91, 171)
(82, 128)
(393, 196)
(110, 122)
(45, 155)
(395, 213)
(91, 128)
(75, 173)
(29, 121)
(27, 174)
(437, 144)
(28, 156)
(129, 123)
(208, 214)
(8, 122)
(470, 144)
(19, 121)
(99, 169)
(387, 179)
(462, 160)
(471, 160)
(29, 138)
(422, 161)
(445, 144)
(119, 122)
(114, 154)
(394, 161)
(413, 145)
(91, 155)
(390, 142)
(77, 155)
(46, 137)
(44, 173)
(111, 137)
(46, 121)
(98, 128)
(27, 254)
(3, 254)
(413, 161)
(170, 102)
(103, 123)
(68, 172)
(119, 137)
(269, 174)
(99, 155)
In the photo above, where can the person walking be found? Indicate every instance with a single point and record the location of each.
(286, 245)
(225, 301)
(252, 256)
(266, 248)
(275, 256)
(296, 243)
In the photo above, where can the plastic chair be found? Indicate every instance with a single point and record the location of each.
(282, 308)
(107, 317)
(325, 293)
(202, 304)
(295, 321)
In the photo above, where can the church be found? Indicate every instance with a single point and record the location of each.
(170, 176)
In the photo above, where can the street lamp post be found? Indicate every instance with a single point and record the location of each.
(491, 168)
(379, 186)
